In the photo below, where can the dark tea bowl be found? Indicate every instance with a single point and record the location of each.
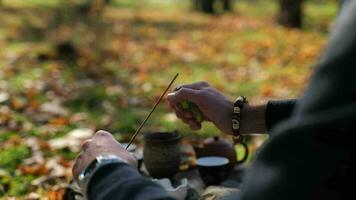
(213, 169)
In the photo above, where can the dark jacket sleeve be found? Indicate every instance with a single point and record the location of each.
(311, 155)
(121, 181)
(277, 111)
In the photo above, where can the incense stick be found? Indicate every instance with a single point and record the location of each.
(153, 109)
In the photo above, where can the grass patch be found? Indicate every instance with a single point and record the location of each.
(12, 157)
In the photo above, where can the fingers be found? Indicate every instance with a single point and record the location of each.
(191, 121)
(188, 118)
(77, 166)
(102, 138)
(181, 95)
(195, 86)
(102, 133)
(99, 136)
(100, 144)
(86, 144)
(76, 163)
(188, 92)
(184, 114)
(193, 124)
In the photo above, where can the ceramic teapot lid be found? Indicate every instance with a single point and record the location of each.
(216, 141)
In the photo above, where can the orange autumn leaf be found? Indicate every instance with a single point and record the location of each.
(64, 162)
(143, 75)
(37, 169)
(18, 103)
(34, 104)
(59, 121)
(267, 90)
(31, 93)
(56, 194)
(43, 144)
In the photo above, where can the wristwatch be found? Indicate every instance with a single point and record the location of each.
(88, 172)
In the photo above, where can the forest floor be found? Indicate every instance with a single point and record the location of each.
(64, 74)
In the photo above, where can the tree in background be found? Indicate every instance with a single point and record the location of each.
(208, 6)
(93, 7)
(291, 13)
(227, 5)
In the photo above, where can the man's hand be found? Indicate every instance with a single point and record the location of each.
(215, 107)
(103, 143)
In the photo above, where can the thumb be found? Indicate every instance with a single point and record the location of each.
(181, 95)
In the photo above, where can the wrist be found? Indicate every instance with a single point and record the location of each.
(253, 119)
(224, 119)
(245, 118)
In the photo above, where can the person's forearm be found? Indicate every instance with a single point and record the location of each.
(122, 181)
(253, 119)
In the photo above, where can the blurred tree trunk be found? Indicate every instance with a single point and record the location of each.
(207, 6)
(291, 13)
(227, 5)
(197, 4)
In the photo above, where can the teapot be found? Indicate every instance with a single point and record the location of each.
(217, 146)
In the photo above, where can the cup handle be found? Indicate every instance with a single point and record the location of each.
(246, 153)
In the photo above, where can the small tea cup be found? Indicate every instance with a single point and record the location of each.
(213, 169)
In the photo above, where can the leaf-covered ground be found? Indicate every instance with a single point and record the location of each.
(64, 74)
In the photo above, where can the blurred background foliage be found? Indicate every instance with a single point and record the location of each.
(69, 67)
